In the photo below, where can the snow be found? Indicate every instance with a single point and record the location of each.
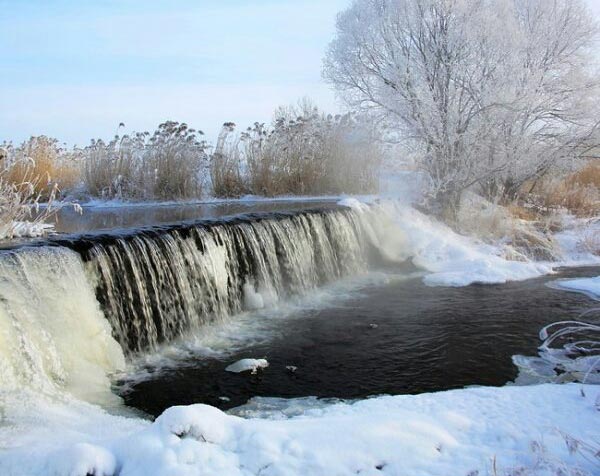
(589, 286)
(456, 432)
(450, 259)
(579, 241)
(245, 365)
(400, 232)
(456, 260)
(25, 229)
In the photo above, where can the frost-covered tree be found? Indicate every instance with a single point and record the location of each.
(490, 92)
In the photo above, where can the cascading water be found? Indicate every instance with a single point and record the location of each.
(71, 311)
(157, 287)
(53, 335)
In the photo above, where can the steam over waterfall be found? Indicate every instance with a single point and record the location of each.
(156, 287)
(64, 312)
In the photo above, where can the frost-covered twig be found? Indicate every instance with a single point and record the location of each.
(570, 351)
(21, 213)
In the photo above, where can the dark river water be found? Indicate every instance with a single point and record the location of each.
(400, 337)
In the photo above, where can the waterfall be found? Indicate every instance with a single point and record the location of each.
(74, 307)
(158, 286)
(53, 335)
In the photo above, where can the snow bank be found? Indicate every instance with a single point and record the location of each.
(579, 241)
(401, 232)
(25, 229)
(456, 260)
(451, 259)
(589, 286)
(245, 365)
(447, 433)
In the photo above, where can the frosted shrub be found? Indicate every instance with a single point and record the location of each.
(578, 192)
(32, 178)
(570, 352)
(20, 213)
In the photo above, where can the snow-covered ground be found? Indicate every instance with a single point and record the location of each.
(26, 229)
(451, 259)
(579, 241)
(539, 430)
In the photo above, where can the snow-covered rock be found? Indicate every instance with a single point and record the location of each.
(246, 365)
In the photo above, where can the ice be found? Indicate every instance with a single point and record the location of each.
(26, 229)
(570, 351)
(246, 365)
(589, 286)
(353, 203)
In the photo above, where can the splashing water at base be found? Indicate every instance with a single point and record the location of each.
(53, 335)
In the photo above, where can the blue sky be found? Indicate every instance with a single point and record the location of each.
(75, 69)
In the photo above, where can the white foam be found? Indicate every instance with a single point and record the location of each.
(252, 299)
(53, 336)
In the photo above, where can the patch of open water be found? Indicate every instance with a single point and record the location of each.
(394, 338)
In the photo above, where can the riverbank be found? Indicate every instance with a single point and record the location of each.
(536, 430)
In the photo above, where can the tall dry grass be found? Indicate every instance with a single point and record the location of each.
(578, 192)
(42, 163)
(167, 165)
(109, 169)
(226, 165)
(304, 152)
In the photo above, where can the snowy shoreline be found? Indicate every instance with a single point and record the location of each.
(458, 432)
